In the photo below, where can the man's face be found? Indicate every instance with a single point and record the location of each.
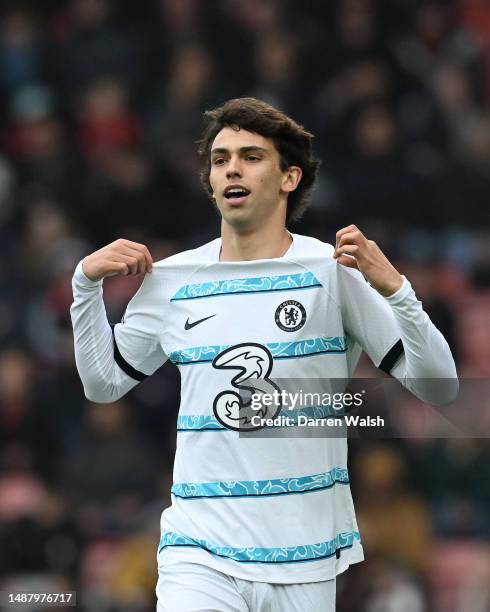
(248, 184)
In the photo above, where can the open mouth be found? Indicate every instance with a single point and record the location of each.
(236, 195)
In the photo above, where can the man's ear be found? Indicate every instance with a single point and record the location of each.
(291, 178)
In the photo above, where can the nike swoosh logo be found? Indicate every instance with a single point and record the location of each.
(194, 323)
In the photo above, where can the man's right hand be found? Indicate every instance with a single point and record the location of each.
(120, 257)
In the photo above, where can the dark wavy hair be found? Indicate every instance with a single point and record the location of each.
(292, 141)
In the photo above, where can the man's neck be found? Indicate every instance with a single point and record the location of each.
(260, 243)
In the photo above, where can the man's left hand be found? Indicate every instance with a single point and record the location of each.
(354, 250)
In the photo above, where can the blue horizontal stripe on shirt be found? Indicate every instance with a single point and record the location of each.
(239, 286)
(203, 422)
(279, 350)
(199, 422)
(258, 488)
(251, 554)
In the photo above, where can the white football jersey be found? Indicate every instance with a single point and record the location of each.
(265, 509)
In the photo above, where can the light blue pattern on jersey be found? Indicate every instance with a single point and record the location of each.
(291, 554)
(255, 488)
(239, 286)
(279, 350)
(199, 422)
(203, 422)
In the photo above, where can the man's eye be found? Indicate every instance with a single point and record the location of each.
(253, 157)
(218, 161)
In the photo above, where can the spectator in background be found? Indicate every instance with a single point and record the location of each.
(171, 116)
(21, 50)
(182, 22)
(374, 174)
(276, 69)
(90, 46)
(23, 420)
(240, 27)
(37, 141)
(108, 471)
(36, 533)
(354, 34)
(106, 123)
(464, 176)
(402, 535)
(121, 178)
(449, 473)
(173, 111)
(436, 38)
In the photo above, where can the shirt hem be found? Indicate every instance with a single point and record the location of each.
(261, 572)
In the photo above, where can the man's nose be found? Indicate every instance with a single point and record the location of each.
(234, 168)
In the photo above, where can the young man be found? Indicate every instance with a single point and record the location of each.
(255, 524)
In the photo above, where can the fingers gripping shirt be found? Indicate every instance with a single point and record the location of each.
(275, 510)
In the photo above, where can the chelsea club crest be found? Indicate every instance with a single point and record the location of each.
(290, 315)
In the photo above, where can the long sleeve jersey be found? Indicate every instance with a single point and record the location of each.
(275, 510)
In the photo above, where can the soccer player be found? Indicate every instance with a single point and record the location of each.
(255, 524)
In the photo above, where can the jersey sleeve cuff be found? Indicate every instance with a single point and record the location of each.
(81, 279)
(401, 294)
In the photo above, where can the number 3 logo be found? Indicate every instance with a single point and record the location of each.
(254, 364)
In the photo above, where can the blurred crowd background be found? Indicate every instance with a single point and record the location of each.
(101, 103)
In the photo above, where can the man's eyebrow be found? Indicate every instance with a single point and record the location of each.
(248, 149)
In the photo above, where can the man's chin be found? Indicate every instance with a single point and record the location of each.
(238, 219)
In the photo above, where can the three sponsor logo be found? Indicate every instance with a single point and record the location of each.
(252, 364)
